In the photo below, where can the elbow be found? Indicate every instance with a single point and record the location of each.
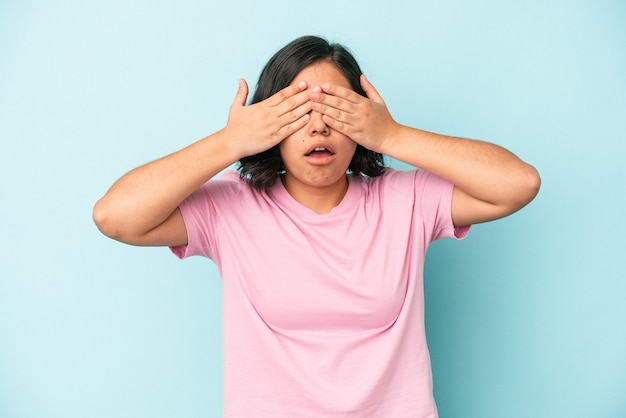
(104, 220)
(528, 186)
(533, 183)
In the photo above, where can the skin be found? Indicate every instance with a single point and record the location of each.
(317, 109)
(317, 181)
(141, 208)
(490, 182)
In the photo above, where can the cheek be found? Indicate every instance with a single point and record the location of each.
(350, 148)
(286, 149)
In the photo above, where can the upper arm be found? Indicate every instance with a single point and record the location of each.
(171, 233)
(468, 210)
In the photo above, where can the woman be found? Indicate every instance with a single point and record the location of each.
(320, 247)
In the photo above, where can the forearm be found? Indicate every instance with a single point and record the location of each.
(140, 208)
(146, 196)
(490, 182)
(483, 170)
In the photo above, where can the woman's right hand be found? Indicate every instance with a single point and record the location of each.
(258, 127)
(141, 208)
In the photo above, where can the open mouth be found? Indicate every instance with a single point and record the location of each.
(319, 152)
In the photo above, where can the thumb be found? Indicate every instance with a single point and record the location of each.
(369, 89)
(242, 93)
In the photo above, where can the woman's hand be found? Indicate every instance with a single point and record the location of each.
(365, 120)
(258, 127)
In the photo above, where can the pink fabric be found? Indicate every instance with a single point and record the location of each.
(323, 314)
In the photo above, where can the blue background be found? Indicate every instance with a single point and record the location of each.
(525, 318)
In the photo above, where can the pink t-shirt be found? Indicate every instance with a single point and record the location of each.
(323, 314)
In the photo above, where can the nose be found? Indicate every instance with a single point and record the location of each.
(317, 124)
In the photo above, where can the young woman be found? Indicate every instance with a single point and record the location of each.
(320, 247)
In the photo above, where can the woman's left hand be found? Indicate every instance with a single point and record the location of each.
(365, 120)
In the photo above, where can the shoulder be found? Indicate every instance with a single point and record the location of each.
(226, 186)
(219, 195)
(402, 180)
(228, 181)
(416, 187)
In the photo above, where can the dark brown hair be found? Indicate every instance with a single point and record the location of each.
(261, 170)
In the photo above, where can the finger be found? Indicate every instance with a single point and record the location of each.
(337, 125)
(298, 124)
(242, 93)
(342, 92)
(332, 105)
(294, 114)
(286, 93)
(292, 127)
(292, 103)
(335, 113)
(369, 89)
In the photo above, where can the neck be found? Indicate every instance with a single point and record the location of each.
(320, 200)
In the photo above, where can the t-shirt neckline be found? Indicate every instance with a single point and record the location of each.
(284, 199)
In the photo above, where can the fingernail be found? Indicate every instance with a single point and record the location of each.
(325, 87)
(302, 84)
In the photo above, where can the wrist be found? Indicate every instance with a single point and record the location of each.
(227, 144)
(390, 140)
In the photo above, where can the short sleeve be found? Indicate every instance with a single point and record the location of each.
(434, 198)
(201, 212)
